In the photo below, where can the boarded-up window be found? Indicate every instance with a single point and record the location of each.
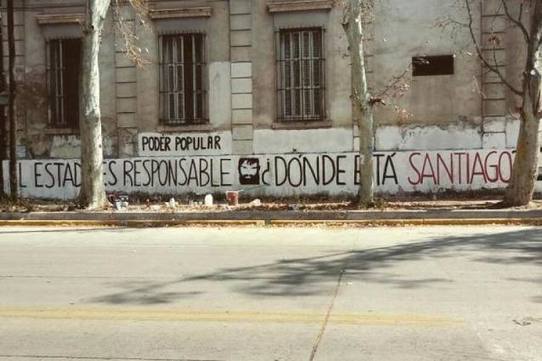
(300, 78)
(63, 65)
(182, 86)
(433, 65)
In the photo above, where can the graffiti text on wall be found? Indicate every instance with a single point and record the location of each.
(160, 145)
(277, 174)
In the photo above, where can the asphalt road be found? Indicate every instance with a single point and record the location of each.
(250, 294)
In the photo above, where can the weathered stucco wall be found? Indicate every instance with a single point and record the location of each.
(437, 112)
(404, 29)
(37, 138)
(217, 59)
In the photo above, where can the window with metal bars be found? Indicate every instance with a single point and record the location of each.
(63, 66)
(300, 78)
(182, 85)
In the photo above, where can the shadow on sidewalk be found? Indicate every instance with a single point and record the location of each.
(313, 275)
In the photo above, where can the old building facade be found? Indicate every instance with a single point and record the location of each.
(257, 94)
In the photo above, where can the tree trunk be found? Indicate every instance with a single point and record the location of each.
(11, 106)
(366, 146)
(3, 129)
(361, 101)
(92, 194)
(524, 173)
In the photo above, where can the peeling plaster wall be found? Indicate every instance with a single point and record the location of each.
(37, 138)
(451, 137)
(388, 138)
(303, 141)
(404, 29)
(440, 112)
(216, 27)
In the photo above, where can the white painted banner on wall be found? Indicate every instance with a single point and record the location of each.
(276, 174)
(165, 145)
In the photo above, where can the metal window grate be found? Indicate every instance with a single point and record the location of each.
(63, 64)
(300, 78)
(182, 85)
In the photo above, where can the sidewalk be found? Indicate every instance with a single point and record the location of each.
(398, 213)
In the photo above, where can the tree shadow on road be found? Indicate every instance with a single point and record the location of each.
(313, 275)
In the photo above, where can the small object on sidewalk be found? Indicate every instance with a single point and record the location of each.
(209, 200)
(172, 203)
(111, 197)
(123, 197)
(119, 200)
(121, 205)
(293, 207)
(114, 197)
(232, 197)
(256, 203)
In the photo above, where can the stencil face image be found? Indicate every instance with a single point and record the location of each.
(249, 171)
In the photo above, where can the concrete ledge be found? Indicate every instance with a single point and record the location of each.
(415, 222)
(126, 223)
(48, 19)
(254, 217)
(279, 6)
(185, 12)
(277, 223)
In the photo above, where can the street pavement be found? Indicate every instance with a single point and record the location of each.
(266, 293)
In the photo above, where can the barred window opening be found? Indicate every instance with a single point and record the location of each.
(63, 63)
(300, 79)
(182, 91)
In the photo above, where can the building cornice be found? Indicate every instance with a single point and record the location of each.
(191, 12)
(280, 6)
(51, 19)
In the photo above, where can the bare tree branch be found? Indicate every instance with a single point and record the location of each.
(517, 22)
(520, 16)
(393, 85)
(135, 53)
(480, 53)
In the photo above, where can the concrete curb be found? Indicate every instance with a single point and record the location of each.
(126, 223)
(275, 218)
(418, 222)
(258, 215)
